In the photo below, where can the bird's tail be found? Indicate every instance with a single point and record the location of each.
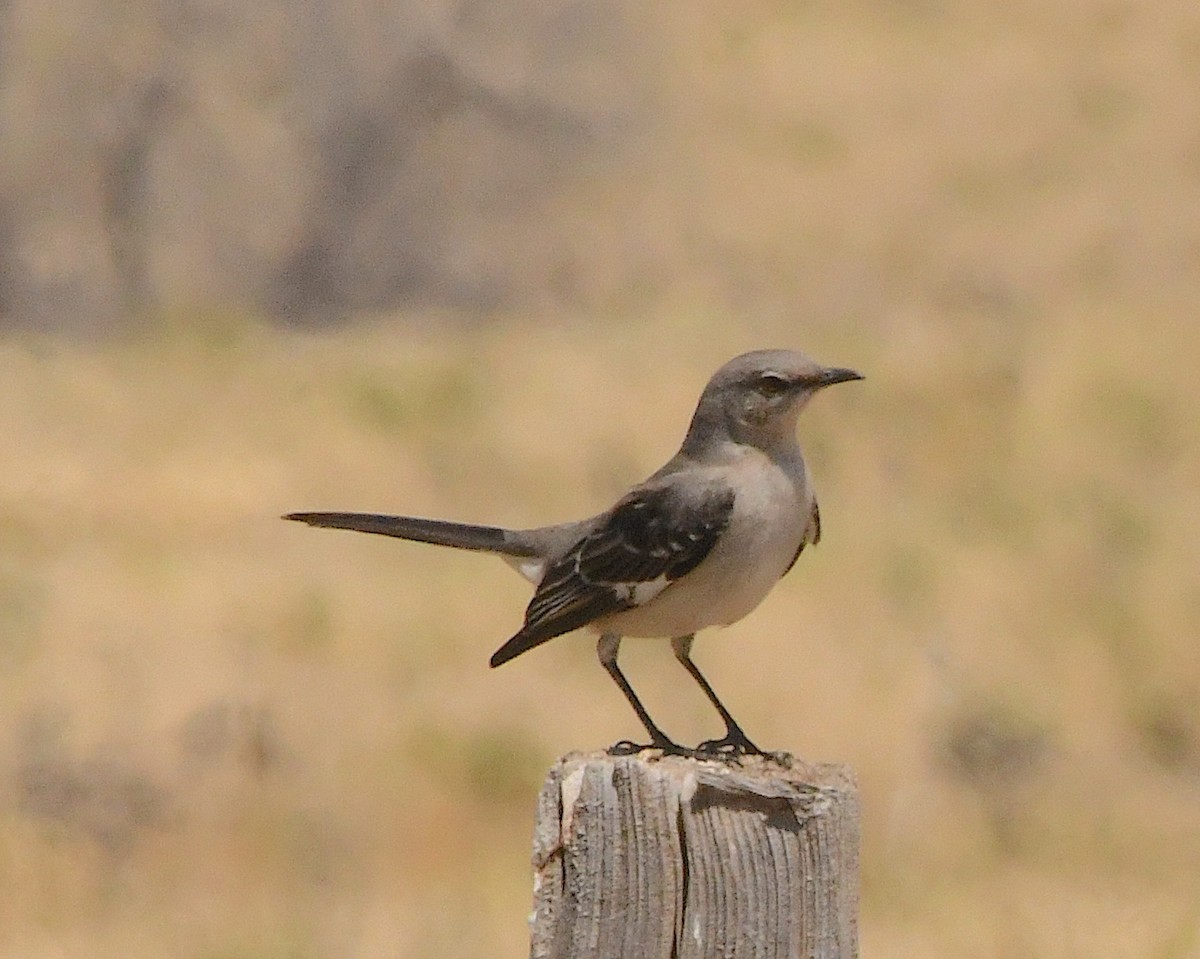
(460, 535)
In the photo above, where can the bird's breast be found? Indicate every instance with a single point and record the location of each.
(768, 523)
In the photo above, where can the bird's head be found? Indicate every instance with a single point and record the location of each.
(755, 398)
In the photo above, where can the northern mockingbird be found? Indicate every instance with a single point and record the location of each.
(700, 543)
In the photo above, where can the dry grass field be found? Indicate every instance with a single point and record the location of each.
(227, 737)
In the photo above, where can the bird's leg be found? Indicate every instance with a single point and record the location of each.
(736, 742)
(607, 649)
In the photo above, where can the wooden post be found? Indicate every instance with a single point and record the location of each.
(649, 857)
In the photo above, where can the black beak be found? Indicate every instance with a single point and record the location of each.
(837, 375)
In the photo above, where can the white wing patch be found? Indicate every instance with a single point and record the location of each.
(641, 593)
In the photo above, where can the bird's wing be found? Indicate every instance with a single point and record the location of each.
(812, 534)
(653, 536)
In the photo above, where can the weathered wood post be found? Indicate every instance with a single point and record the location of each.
(642, 857)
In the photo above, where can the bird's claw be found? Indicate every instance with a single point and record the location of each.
(730, 749)
(627, 747)
(735, 746)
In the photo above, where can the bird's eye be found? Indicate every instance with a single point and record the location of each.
(771, 384)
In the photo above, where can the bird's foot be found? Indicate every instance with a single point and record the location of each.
(736, 745)
(727, 749)
(627, 747)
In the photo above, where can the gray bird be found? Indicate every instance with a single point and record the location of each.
(700, 543)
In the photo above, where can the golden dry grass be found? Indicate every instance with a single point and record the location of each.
(228, 736)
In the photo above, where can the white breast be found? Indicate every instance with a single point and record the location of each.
(770, 515)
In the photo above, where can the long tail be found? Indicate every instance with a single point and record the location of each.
(439, 532)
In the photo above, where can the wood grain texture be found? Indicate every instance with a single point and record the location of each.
(647, 856)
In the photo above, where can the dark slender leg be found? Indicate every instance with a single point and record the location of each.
(607, 649)
(735, 742)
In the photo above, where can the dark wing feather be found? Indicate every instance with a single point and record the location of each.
(651, 533)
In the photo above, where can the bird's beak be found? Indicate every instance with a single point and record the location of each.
(837, 375)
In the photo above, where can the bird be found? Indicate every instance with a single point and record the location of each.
(700, 543)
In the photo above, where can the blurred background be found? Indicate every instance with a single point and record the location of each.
(476, 260)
